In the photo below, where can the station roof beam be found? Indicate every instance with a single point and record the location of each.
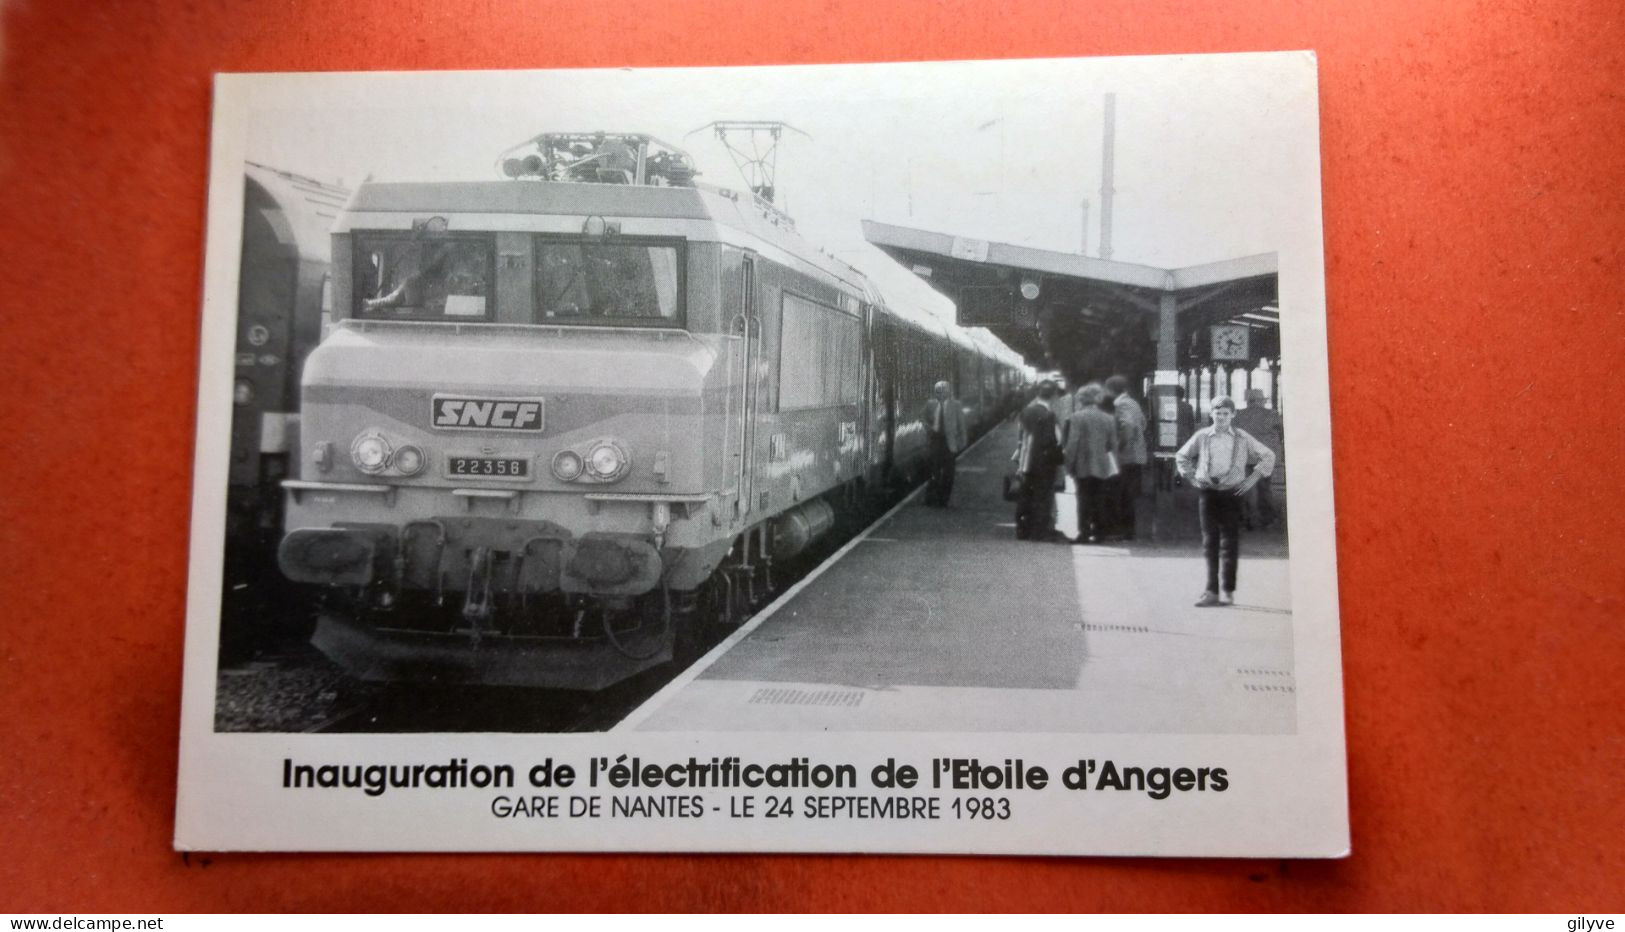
(1089, 317)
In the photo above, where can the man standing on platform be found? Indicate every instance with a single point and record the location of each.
(1215, 461)
(1131, 453)
(1265, 426)
(1089, 446)
(945, 429)
(1037, 459)
(1064, 403)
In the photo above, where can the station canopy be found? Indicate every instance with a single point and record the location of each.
(1090, 317)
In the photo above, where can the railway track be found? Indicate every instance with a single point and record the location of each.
(415, 707)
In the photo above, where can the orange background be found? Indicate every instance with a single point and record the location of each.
(1474, 179)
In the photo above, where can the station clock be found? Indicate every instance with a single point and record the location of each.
(1229, 343)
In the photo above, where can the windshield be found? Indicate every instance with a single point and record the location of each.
(617, 281)
(400, 277)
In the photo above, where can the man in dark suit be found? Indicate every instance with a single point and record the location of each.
(1037, 459)
(945, 437)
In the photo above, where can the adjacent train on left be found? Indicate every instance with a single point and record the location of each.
(563, 419)
(281, 286)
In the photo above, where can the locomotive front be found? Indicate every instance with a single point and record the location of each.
(503, 470)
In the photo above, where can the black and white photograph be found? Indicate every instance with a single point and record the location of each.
(899, 457)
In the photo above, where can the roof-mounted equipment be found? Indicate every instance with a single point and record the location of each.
(754, 147)
(600, 158)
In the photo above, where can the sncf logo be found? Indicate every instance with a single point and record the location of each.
(450, 412)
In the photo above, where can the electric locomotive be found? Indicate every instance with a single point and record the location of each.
(564, 418)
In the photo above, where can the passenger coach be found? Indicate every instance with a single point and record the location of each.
(281, 291)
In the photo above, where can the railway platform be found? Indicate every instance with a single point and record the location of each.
(939, 620)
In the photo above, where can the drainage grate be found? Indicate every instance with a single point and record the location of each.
(820, 697)
(1267, 680)
(1130, 629)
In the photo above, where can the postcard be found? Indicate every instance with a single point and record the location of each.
(927, 457)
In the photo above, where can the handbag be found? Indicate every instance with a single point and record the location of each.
(1111, 465)
(1012, 487)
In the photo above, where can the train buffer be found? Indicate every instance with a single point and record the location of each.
(939, 620)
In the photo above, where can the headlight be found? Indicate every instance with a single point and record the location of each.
(243, 394)
(567, 466)
(370, 451)
(408, 460)
(606, 461)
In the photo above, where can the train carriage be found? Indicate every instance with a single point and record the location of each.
(563, 418)
(282, 281)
